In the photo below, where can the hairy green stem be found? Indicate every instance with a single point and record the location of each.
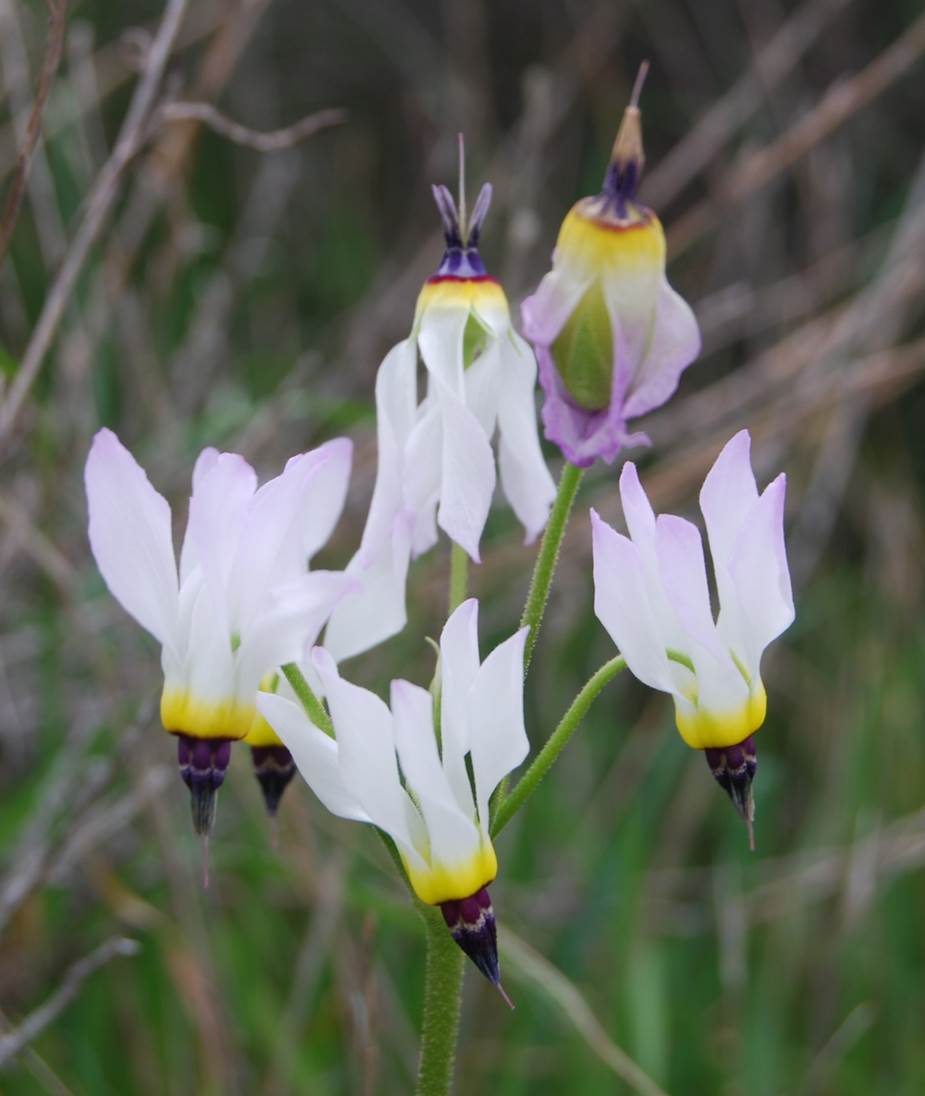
(545, 567)
(543, 761)
(317, 712)
(459, 576)
(442, 1000)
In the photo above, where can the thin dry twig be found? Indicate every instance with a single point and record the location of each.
(57, 21)
(35, 1023)
(842, 101)
(707, 137)
(99, 204)
(271, 141)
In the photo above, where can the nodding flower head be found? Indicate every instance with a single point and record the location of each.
(385, 767)
(437, 466)
(652, 596)
(238, 603)
(611, 336)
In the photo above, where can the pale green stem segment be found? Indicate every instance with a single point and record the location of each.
(459, 576)
(442, 999)
(545, 567)
(444, 969)
(543, 761)
(317, 712)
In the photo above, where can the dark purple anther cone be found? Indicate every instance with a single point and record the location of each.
(461, 258)
(471, 922)
(274, 768)
(620, 185)
(203, 762)
(734, 769)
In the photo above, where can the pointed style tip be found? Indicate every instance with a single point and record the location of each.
(734, 768)
(471, 922)
(638, 84)
(203, 763)
(274, 769)
(627, 157)
(504, 996)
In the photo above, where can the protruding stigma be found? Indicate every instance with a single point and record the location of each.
(203, 763)
(627, 157)
(734, 769)
(471, 922)
(274, 768)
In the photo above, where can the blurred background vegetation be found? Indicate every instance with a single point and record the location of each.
(244, 299)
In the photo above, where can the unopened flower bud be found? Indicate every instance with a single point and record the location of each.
(611, 336)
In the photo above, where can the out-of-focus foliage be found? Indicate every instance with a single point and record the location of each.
(245, 300)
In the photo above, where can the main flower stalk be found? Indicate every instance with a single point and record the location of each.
(443, 979)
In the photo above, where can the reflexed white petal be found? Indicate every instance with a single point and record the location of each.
(494, 315)
(721, 688)
(459, 667)
(621, 603)
(366, 750)
(376, 612)
(684, 578)
(205, 462)
(525, 478)
(760, 575)
(441, 341)
(396, 413)
(674, 342)
(209, 661)
(498, 738)
(630, 298)
(452, 833)
(483, 382)
(423, 463)
(545, 312)
(326, 492)
(131, 537)
(467, 474)
(223, 486)
(640, 517)
(728, 493)
(292, 618)
(270, 548)
(314, 753)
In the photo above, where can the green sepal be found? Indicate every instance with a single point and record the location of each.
(583, 352)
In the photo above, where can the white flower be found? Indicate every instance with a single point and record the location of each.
(436, 465)
(243, 601)
(651, 594)
(385, 767)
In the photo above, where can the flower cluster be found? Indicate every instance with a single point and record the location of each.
(239, 612)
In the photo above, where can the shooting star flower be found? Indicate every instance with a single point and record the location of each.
(651, 594)
(611, 336)
(242, 601)
(386, 768)
(436, 465)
